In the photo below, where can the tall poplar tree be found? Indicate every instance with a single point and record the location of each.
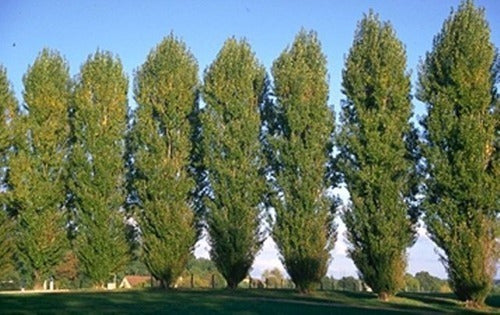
(457, 82)
(97, 183)
(37, 169)
(300, 139)
(166, 91)
(6, 242)
(377, 156)
(234, 87)
(8, 112)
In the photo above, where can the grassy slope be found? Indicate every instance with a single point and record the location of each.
(224, 302)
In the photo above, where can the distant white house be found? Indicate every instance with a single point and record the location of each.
(133, 281)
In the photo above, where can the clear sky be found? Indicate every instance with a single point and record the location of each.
(131, 29)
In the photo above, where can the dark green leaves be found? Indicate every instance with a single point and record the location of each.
(166, 90)
(234, 86)
(97, 166)
(300, 146)
(376, 157)
(8, 112)
(37, 170)
(456, 81)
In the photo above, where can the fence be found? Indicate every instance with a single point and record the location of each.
(215, 281)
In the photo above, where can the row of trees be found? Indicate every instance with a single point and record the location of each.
(75, 164)
(64, 166)
(387, 167)
(425, 282)
(378, 155)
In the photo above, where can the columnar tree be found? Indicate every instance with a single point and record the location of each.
(377, 155)
(98, 119)
(166, 91)
(6, 242)
(37, 169)
(457, 82)
(300, 139)
(234, 87)
(8, 111)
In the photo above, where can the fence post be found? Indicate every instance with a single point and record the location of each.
(213, 281)
(192, 281)
(249, 282)
(321, 285)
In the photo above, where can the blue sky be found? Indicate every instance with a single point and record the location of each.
(131, 29)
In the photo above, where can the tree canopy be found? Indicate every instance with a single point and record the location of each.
(234, 89)
(300, 125)
(457, 82)
(377, 156)
(37, 170)
(8, 111)
(166, 90)
(97, 182)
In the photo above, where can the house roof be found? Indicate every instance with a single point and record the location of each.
(136, 280)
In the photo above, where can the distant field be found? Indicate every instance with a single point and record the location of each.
(244, 301)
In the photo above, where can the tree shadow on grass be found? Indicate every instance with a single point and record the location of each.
(221, 301)
(443, 300)
(449, 301)
(360, 302)
(493, 300)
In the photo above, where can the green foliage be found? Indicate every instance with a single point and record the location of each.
(202, 270)
(377, 156)
(234, 87)
(496, 286)
(300, 126)
(98, 119)
(349, 284)
(273, 273)
(37, 169)
(457, 82)
(273, 278)
(329, 283)
(136, 266)
(166, 91)
(66, 273)
(412, 284)
(8, 110)
(200, 265)
(6, 242)
(428, 283)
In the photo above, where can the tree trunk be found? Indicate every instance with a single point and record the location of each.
(383, 296)
(475, 304)
(232, 285)
(164, 285)
(303, 289)
(37, 282)
(100, 286)
(37, 285)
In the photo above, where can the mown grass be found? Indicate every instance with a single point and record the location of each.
(243, 301)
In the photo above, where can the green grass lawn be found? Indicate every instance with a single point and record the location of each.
(243, 301)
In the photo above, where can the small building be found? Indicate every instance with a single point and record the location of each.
(249, 282)
(135, 281)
